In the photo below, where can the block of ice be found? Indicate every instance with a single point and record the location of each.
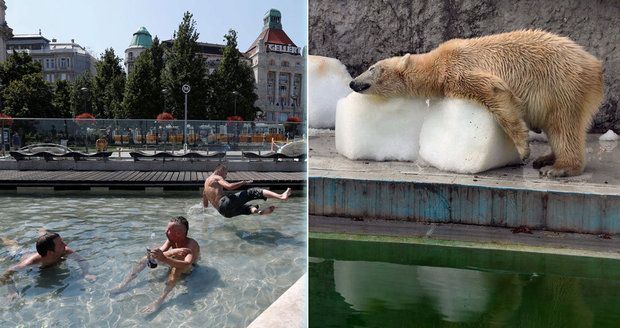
(328, 81)
(609, 136)
(377, 128)
(462, 136)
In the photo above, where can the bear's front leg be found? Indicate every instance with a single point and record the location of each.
(494, 93)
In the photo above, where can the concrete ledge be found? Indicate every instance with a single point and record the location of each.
(288, 311)
(461, 235)
(591, 210)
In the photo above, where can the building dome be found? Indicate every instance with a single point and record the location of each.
(142, 38)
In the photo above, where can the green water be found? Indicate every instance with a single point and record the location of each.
(375, 284)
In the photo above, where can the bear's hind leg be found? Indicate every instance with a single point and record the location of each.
(494, 93)
(568, 146)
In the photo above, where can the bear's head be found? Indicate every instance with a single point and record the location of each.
(388, 78)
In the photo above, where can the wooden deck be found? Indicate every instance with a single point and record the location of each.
(10, 179)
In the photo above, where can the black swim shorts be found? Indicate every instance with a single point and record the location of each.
(234, 204)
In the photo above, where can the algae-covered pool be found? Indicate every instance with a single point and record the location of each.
(384, 284)
(246, 263)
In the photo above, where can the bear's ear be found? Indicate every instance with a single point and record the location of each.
(405, 60)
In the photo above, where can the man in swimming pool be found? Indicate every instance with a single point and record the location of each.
(51, 250)
(235, 204)
(179, 252)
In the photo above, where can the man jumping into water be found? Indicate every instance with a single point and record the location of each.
(235, 204)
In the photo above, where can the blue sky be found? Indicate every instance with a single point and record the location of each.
(100, 24)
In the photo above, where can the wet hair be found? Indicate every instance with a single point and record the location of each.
(45, 243)
(183, 221)
(220, 167)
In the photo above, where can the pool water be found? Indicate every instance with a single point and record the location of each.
(246, 263)
(376, 284)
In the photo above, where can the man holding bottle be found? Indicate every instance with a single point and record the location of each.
(179, 252)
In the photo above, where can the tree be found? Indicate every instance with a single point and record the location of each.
(142, 92)
(108, 85)
(17, 66)
(29, 96)
(232, 84)
(61, 100)
(183, 66)
(81, 95)
(157, 55)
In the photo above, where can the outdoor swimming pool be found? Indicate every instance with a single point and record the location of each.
(246, 264)
(380, 284)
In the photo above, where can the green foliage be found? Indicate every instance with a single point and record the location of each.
(142, 93)
(82, 95)
(17, 66)
(23, 91)
(108, 86)
(61, 100)
(232, 85)
(184, 67)
(29, 96)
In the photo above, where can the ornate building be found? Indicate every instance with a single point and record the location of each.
(141, 41)
(60, 61)
(5, 31)
(279, 69)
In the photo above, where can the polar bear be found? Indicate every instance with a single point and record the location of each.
(526, 79)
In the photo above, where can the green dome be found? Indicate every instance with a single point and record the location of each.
(142, 38)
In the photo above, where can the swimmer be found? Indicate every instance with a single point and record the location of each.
(235, 204)
(51, 250)
(179, 252)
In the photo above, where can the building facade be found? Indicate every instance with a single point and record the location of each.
(140, 41)
(60, 61)
(279, 70)
(5, 31)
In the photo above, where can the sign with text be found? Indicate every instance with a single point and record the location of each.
(282, 48)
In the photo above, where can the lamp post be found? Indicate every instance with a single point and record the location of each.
(235, 93)
(85, 90)
(186, 88)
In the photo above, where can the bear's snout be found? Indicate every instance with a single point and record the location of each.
(359, 86)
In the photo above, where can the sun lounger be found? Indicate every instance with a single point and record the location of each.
(192, 156)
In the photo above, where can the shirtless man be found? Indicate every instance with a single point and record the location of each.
(235, 204)
(51, 249)
(179, 252)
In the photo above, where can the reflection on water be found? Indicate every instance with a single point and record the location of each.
(434, 286)
(235, 280)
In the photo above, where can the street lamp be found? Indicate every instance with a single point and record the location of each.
(235, 93)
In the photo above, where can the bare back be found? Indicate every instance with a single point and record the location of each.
(213, 191)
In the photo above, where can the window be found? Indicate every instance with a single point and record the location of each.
(272, 62)
(63, 76)
(298, 64)
(285, 64)
(130, 55)
(64, 63)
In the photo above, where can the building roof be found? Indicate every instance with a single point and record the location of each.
(142, 38)
(17, 37)
(272, 31)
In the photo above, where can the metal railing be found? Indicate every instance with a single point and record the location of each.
(86, 134)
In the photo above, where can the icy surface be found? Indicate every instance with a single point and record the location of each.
(609, 136)
(462, 136)
(327, 83)
(376, 128)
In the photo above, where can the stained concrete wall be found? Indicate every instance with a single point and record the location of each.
(360, 33)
